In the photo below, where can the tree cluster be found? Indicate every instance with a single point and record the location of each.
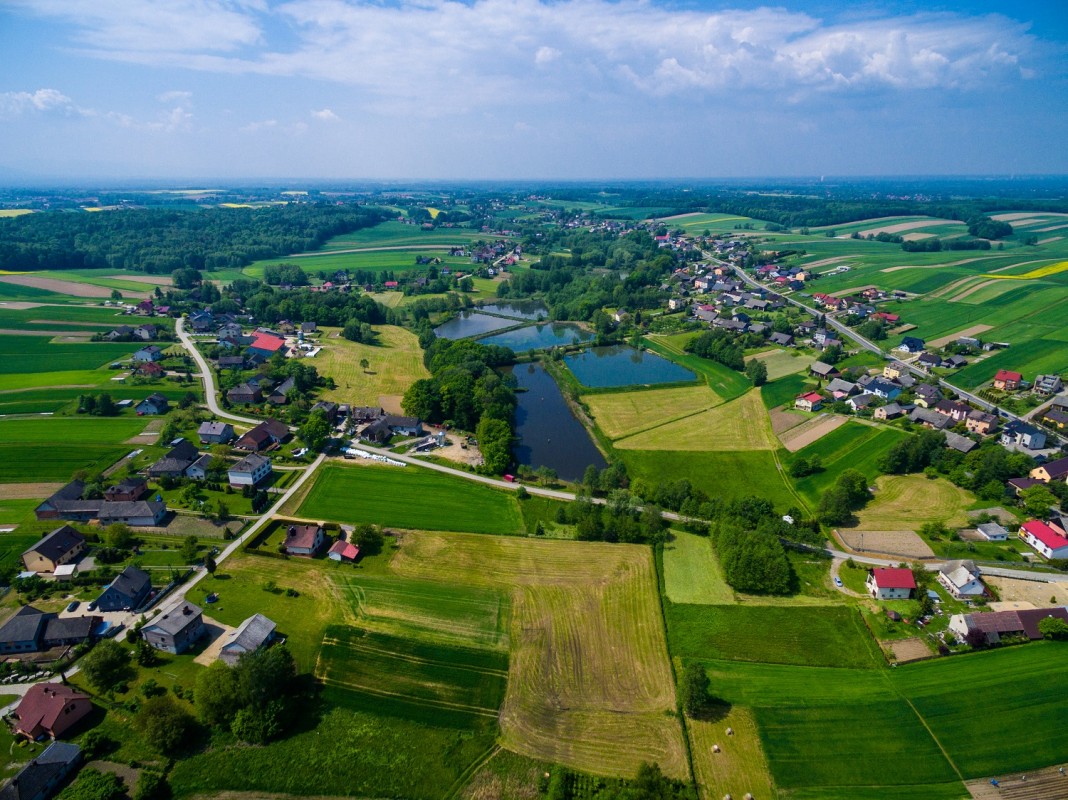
(753, 557)
(848, 494)
(255, 699)
(720, 346)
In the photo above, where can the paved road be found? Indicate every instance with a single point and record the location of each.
(208, 376)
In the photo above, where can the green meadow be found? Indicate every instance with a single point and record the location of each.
(24, 355)
(52, 448)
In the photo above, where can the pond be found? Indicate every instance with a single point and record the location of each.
(548, 433)
(540, 337)
(471, 323)
(622, 365)
(520, 310)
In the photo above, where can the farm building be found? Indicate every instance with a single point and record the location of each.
(43, 776)
(266, 344)
(961, 579)
(992, 532)
(821, 370)
(1047, 541)
(890, 583)
(1007, 380)
(61, 546)
(140, 513)
(50, 709)
(127, 490)
(177, 629)
(254, 633)
(993, 625)
(812, 401)
(304, 540)
(343, 551)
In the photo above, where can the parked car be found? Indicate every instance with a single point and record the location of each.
(837, 581)
(73, 605)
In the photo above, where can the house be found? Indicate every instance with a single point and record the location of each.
(1021, 485)
(127, 490)
(963, 444)
(1007, 381)
(1044, 539)
(812, 401)
(890, 583)
(927, 395)
(199, 469)
(253, 634)
(304, 540)
(408, 426)
(861, 401)
(266, 344)
(279, 396)
(961, 579)
(176, 629)
(149, 353)
(981, 422)
(127, 591)
(244, 394)
(839, 388)
(894, 370)
(821, 370)
(329, 409)
(377, 432)
(50, 709)
(1055, 419)
(176, 461)
(992, 532)
(888, 412)
(956, 411)
(145, 333)
(67, 503)
(43, 776)
(67, 631)
(910, 344)
(229, 330)
(22, 632)
(231, 362)
(929, 360)
(250, 470)
(62, 546)
(992, 625)
(155, 403)
(1051, 471)
(883, 388)
(782, 339)
(955, 362)
(343, 551)
(1024, 435)
(215, 432)
(365, 413)
(1047, 384)
(267, 434)
(149, 369)
(677, 304)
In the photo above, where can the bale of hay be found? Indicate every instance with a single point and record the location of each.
(715, 748)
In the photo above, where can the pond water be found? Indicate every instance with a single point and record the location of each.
(540, 337)
(520, 310)
(622, 365)
(471, 323)
(548, 433)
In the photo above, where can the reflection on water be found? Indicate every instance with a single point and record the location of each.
(623, 365)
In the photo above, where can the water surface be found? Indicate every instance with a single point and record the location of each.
(540, 337)
(623, 365)
(471, 323)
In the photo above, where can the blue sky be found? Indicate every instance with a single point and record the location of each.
(500, 89)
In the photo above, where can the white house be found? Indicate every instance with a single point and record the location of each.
(250, 470)
(1048, 542)
(961, 579)
(890, 583)
(992, 532)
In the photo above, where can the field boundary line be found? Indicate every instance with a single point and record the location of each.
(668, 422)
(934, 738)
(467, 774)
(416, 659)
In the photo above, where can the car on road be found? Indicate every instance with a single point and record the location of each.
(73, 605)
(837, 581)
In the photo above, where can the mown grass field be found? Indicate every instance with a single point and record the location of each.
(740, 767)
(590, 685)
(783, 390)
(409, 497)
(692, 573)
(904, 502)
(725, 382)
(394, 364)
(781, 363)
(621, 414)
(740, 424)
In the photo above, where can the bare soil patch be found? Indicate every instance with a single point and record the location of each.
(783, 420)
(942, 341)
(915, 237)
(1034, 592)
(30, 491)
(1001, 514)
(906, 544)
(62, 287)
(1041, 784)
(19, 305)
(217, 633)
(810, 431)
(155, 280)
(391, 403)
(454, 452)
(906, 650)
(1050, 239)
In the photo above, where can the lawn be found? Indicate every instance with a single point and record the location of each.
(621, 414)
(904, 502)
(740, 424)
(409, 497)
(590, 685)
(781, 363)
(784, 390)
(692, 573)
(13, 545)
(820, 636)
(394, 364)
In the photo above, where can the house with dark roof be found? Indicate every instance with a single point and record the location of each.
(930, 418)
(911, 344)
(861, 401)
(929, 360)
(149, 353)
(155, 403)
(890, 583)
(231, 362)
(250, 470)
(279, 396)
(215, 432)
(981, 422)
(781, 339)
(329, 409)
(253, 634)
(963, 444)
(1047, 384)
(304, 540)
(408, 426)
(50, 709)
(129, 590)
(22, 632)
(821, 370)
(64, 545)
(993, 625)
(883, 388)
(177, 629)
(66, 631)
(139, 513)
(244, 394)
(1023, 435)
(176, 461)
(954, 409)
(1055, 419)
(888, 412)
(44, 775)
(927, 395)
(126, 490)
(67, 503)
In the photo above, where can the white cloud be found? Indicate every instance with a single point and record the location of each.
(181, 97)
(546, 55)
(326, 115)
(13, 104)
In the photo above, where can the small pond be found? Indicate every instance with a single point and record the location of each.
(471, 323)
(548, 433)
(520, 310)
(622, 365)
(540, 337)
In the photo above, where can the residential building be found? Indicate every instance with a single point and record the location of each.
(1007, 380)
(215, 432)
(328, 408)
(266, 344)
(1044, 539)
(22, 632)
(955, 362)
(929, 360)
(62, 546)
(50, 709)
(176, 629)
(821, 370)
(1026, 436)
(911, 344)
(961, 579)
(265, 435)
(861, 401)
(890, 583)
(883, 388)
(1051, 470)
(981, 422)
(888, 412)
(304, 540)
(127, 490)
(1047, 384)
(176, 461)
(250, 470)
(963, 444)
(149, 353)
(811, 401)
(782, 339)
(993, 625)
(254, 633)
(927, 395)
(155, 404)
(43, 776)
(956, 411)
(139, 513)
(129, 590)
(279, 396)
(198, 470)
(992, 532)
(244, 394)
(894, 370)
(839, 388)
(408, 426)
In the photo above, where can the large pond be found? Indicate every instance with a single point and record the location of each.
(622, 365)
(549, 435)
(520, 310)
(540, 336)
(471, 323)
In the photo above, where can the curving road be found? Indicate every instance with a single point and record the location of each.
(208, 376)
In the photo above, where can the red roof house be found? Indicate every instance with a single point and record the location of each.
(50, 709)
(809, 402)
(343, 551)
(1044, 539)
(267, 343)
(890, 583)
(1007, 380)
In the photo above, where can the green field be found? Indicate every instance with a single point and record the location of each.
(821, 636)
(784, 390)
(393, 365)
(621, 414)
(410, 497)
(692, 573)
(851, 446)
(51, 449)
(724, 381)
(20, 355)
(13, 545)
(740, 424)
